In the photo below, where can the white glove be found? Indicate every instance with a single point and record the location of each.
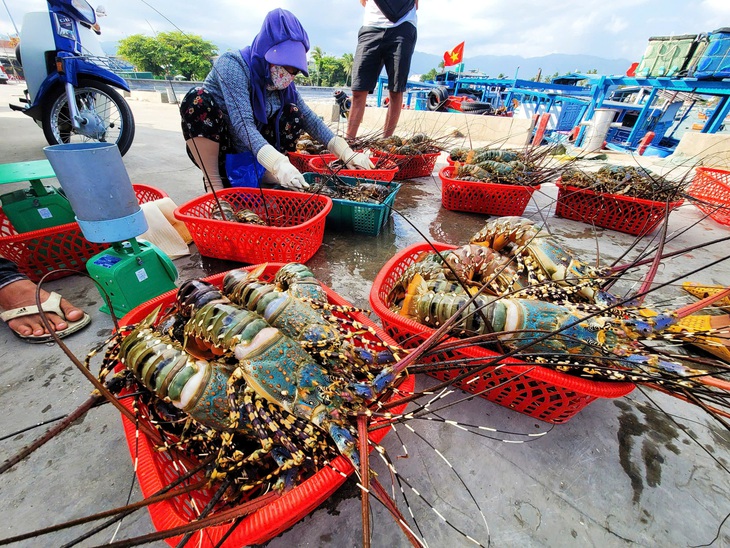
(278, 164)
(354, 160)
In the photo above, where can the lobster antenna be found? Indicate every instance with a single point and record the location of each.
(403, 480)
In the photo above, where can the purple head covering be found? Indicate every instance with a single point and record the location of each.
(279, 26)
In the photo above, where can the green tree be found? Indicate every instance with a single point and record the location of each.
(331, 72)
(317, 54)
(429, 76)
(347, 59)
(169, 53)
(143, 52)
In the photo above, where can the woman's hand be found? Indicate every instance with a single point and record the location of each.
(358, 160)
(354, 160)
(279, 165)
(289, 176)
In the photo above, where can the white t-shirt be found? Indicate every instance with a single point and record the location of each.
(374, 17)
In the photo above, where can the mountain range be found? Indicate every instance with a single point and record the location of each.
(507, 65)
(526, 67)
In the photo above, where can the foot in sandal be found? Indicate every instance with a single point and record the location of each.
(17, 299)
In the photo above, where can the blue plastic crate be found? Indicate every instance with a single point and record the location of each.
(360, 217)
(715, 62)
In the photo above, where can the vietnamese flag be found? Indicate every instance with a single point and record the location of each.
(455, 56)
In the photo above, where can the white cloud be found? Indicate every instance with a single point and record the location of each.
(528, 28)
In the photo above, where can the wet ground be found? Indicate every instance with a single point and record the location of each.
(645, 469)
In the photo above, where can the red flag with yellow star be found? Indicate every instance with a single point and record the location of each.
(455, 56)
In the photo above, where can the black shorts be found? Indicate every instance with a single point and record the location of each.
(391, 48)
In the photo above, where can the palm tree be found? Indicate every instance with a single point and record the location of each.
(347, 61)
(317, 55)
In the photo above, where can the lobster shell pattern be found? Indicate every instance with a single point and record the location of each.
(242, 381)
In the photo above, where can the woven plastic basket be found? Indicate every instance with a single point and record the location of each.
(384, 170)
(359, 217)
(410, 167)
(42, 251)
(300, 160)
(535, 391)
(621, 213)
(155, 469)
(711, 190)
(294, 232)
(487, 198)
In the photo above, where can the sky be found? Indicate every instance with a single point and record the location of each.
(615, 29)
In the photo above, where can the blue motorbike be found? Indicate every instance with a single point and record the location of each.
(70, 82)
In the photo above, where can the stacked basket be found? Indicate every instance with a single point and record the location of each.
(410, 166)
(155, 469)
(621, 213)
(711, 190)
(293, 232)
(60, 247)
(483, 197)
(385, 170)
(363, 217)
(530, 389)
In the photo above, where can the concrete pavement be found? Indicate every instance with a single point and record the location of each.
(620, 472)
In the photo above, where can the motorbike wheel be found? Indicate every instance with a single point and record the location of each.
(110, 115)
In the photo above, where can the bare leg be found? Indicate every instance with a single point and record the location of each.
(393, 114)
(357, 109)
(205, 153)
(22, 293)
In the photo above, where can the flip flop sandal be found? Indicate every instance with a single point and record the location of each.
(703, 291)
(701, 324)
(52, 304)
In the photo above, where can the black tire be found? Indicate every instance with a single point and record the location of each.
(470, 106)
(114, 117)
(437, 97)
(479, 112)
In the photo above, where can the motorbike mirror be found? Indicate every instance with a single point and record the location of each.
(100, 11)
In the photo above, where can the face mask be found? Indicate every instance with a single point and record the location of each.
(280, 78)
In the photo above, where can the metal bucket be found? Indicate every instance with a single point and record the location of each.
(96, 183)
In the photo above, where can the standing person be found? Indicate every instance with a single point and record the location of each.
(17, 299)
(387, 38)
(249, 108)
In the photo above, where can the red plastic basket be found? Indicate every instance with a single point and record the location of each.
(621, 213)
(535, 391)
(487, 198)
(300, 160)
(155, 469)
(711, 188)
(294, 232)
(42, 251)
(410, 167)
(385, 170)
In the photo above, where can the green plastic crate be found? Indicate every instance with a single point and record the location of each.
(671, 56)
(360, 217)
